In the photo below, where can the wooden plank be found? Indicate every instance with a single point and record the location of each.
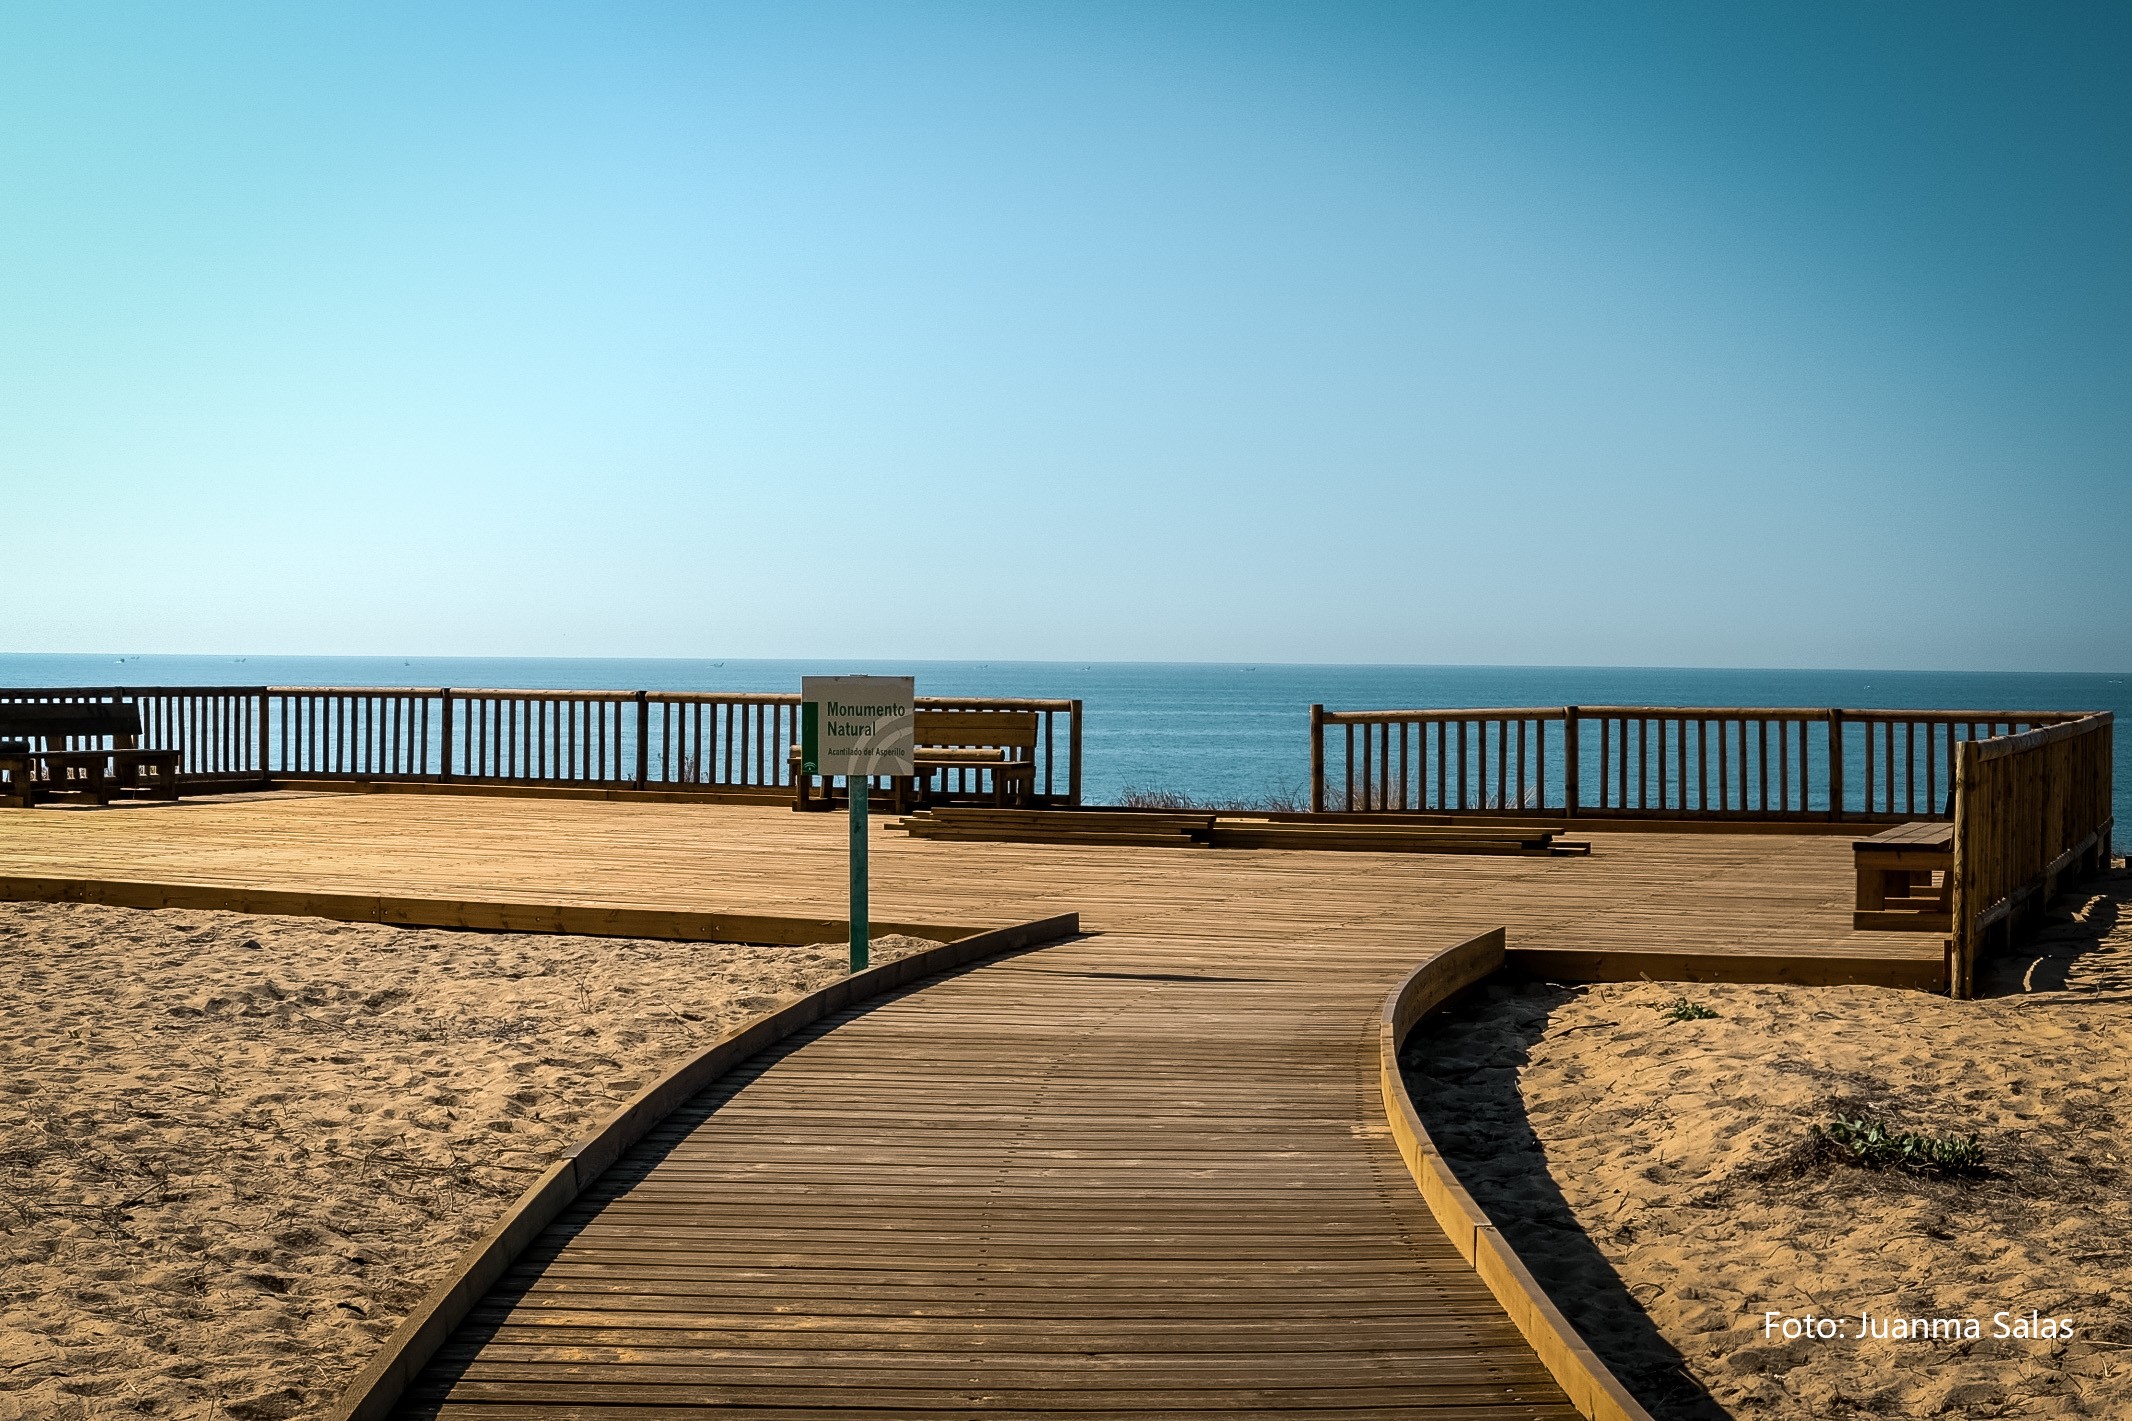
(1367, 840)
(1923, 971)
(1896, 918)
(1904, 837)
(579, 920)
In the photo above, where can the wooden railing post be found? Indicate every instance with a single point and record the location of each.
(644, 740)
(2107, 751)
(1073, 757)
(1569, 762)
(444, 770)
(266, 773)
(1835, 762)
(1317, 759)
(1962, 873)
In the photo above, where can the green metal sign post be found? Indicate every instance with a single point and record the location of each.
(861, 921)
(857, 727)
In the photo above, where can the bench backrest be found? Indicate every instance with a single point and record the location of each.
(79, 720)
(1007, 730)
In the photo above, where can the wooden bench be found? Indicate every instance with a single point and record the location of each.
(998, 744)
(1896, 872)
(28, 775)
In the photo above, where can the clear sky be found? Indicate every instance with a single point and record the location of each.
(1700, 334)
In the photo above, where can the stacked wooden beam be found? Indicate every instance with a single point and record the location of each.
(1060, 826)
(1329, 833)
(1366, 834)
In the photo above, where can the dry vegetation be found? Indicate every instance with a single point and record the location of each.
(235, 1150)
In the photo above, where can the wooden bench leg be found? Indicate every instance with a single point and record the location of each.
(159, 780)
(95, 784)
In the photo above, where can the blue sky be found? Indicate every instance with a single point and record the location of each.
(1784, 335)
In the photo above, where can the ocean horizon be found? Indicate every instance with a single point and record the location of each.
(1213, 730)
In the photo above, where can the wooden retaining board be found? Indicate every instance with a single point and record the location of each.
(402, 910)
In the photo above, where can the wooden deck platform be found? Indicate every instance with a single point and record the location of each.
(1146, 1173)
(1753, 906)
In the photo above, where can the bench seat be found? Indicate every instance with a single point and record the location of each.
(1905, 879)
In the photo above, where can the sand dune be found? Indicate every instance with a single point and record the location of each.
(1616, 1146)
(235, 1150)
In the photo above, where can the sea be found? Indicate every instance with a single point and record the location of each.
(1214, 731)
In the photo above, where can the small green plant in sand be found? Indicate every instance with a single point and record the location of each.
(1871, 1144)
(1681, 1009)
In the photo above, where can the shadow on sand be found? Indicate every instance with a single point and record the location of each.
(1462, 1069)
(2064, 952)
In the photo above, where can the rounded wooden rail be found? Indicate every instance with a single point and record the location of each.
(373, 1392)
(1595, 1391)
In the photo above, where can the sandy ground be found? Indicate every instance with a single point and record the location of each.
(1658, 1177)
(235, 1150)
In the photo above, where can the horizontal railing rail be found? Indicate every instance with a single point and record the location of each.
(1770, 763)
(716, 742)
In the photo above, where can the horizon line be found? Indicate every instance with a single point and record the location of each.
(1080, 663)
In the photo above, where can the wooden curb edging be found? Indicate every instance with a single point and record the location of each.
(487, 915)
(611, 794)
(1592, 1389)
(374, 1391)
(1924, 970)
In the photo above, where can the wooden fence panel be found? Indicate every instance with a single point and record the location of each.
(538, 737)
(1437, 761)
(2030, 809)
(356, 733)
(1762, 763)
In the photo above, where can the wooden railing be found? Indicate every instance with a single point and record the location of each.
(348, 732)
(718, 743)
(1436, 761)
(2030, 809)
(1651, 762)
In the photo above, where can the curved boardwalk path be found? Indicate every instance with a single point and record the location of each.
(1134, 1175)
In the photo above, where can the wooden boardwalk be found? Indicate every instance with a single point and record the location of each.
(1129, 1175)
(1145, 1173)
